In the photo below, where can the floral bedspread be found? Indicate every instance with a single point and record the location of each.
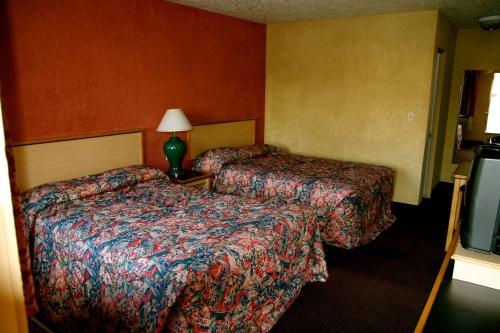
(352, 200)
(129, 251)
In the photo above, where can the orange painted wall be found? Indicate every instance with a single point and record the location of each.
(89, 66)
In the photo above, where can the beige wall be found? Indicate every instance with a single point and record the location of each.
(475, 49)
(343, 88)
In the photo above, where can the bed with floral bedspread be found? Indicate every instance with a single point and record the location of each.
(352, 200)
(126, 250)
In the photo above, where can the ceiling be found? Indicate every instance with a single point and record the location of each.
(462, 13)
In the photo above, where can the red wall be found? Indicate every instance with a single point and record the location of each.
(79, 67)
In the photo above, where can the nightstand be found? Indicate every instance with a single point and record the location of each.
(194, 178)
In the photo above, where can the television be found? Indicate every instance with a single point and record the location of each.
(480, 230)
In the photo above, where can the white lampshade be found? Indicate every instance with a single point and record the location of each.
(174, 120)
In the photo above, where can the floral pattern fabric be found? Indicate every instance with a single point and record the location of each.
(352, 200)
(153, 256)
(42, 196)
(213, 160)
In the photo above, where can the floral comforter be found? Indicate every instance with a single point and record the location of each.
(128, 251)
(352, 200)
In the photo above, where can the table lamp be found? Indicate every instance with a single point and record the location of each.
(174, 120)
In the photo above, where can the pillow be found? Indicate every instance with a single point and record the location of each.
(212, 160)
(44, 195)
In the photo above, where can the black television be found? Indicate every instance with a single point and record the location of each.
(480, 230)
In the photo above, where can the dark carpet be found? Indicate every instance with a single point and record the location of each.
(382, 286)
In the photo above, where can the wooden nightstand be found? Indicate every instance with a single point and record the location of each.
(195, 179)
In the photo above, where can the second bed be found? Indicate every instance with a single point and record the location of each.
(352, 200)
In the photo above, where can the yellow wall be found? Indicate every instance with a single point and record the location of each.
(343, 88)
(475, 49)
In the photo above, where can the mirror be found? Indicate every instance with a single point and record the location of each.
(479, 111)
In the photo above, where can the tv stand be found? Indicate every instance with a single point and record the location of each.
(462, 174)
(470, 266)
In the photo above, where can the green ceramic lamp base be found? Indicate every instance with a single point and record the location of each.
(174, 150)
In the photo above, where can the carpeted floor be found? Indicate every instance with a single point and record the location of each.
(382, 286)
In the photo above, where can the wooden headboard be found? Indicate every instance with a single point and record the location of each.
(228, 134)
(41, 162)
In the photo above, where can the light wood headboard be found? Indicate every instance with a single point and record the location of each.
(39, 163)
(228, 134)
